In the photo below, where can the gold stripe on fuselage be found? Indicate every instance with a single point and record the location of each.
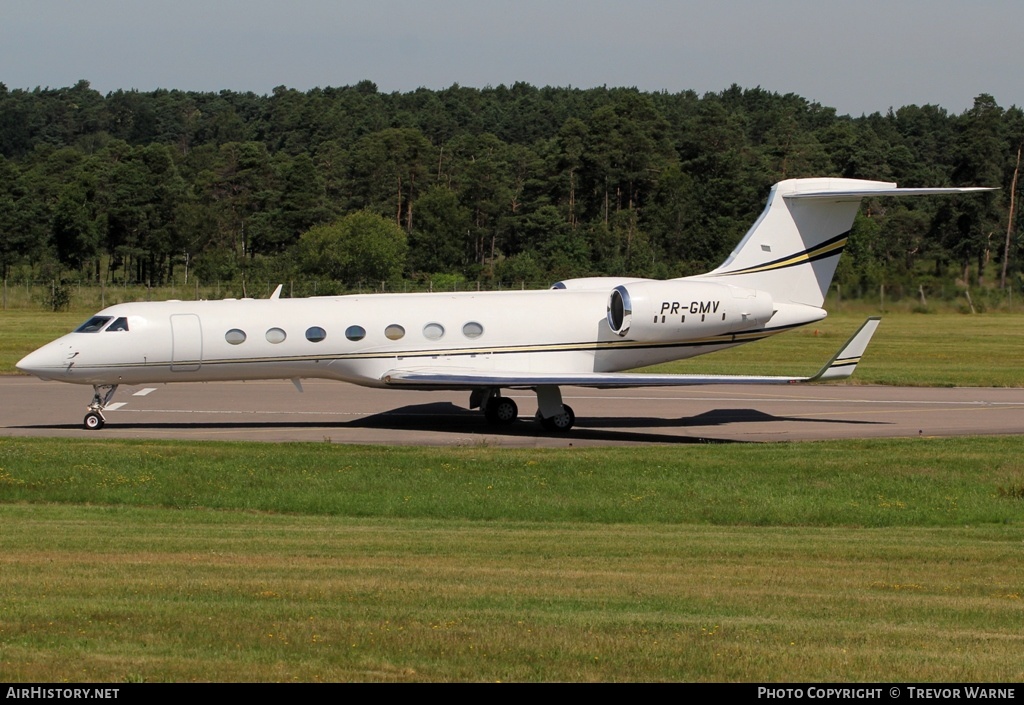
(613, 345)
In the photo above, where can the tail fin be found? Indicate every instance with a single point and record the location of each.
(792, 250)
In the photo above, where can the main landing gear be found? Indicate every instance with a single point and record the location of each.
(500, 411)
(559, 422)
(552, 414)
(102, 394)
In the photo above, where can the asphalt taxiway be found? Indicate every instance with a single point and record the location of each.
(275, 411)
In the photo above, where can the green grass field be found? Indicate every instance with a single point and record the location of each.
(843, 561)
(886, 560)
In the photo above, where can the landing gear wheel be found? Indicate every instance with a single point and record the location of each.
(501, 410)
(93, 421)
(101, 396)
(559, 422)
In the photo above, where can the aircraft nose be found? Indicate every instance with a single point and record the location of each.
(42, 363)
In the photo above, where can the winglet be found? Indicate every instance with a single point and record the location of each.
(845, 361)
(277, 292)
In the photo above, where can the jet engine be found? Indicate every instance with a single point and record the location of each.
(677, 310)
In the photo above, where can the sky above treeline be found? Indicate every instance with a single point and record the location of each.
(857, 57)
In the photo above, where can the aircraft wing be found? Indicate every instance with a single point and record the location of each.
(840, 366)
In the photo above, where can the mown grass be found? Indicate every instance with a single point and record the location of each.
(891, 560)
(134, 594)
(851, 483)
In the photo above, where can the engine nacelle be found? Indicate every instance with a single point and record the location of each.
(658, 311)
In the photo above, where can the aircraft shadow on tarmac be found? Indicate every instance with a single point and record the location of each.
(445, 417)
(439, 416)
(716, 417)
(441, 413)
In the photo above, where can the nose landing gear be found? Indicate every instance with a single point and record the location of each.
(102, 394)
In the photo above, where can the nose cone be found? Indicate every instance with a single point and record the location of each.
(43, 363)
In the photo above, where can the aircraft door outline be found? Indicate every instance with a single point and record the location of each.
(186, 342)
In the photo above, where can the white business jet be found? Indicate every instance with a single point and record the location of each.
(581, 332)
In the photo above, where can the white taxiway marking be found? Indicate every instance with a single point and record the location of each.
(114, 406)
(144, 391)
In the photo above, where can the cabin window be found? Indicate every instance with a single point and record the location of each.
(472, 330)
(120, 324)
(355, 333)
(433, 331)
(93, 324)
(394, 332)
(315, 334)
(276, 335)
(235, 336)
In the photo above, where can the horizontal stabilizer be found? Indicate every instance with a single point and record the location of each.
(893, 191)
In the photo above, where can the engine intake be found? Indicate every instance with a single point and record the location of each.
(676, 310)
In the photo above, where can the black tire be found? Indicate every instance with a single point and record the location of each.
(93, 421)
(559, 423)
(501, 411)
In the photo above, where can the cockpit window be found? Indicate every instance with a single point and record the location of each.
(93, 324)
(119, 324)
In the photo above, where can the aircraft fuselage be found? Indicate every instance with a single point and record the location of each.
(360, 337)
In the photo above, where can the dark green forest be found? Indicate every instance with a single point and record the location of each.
(488, 187)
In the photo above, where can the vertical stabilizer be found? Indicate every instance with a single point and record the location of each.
(792, 250)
